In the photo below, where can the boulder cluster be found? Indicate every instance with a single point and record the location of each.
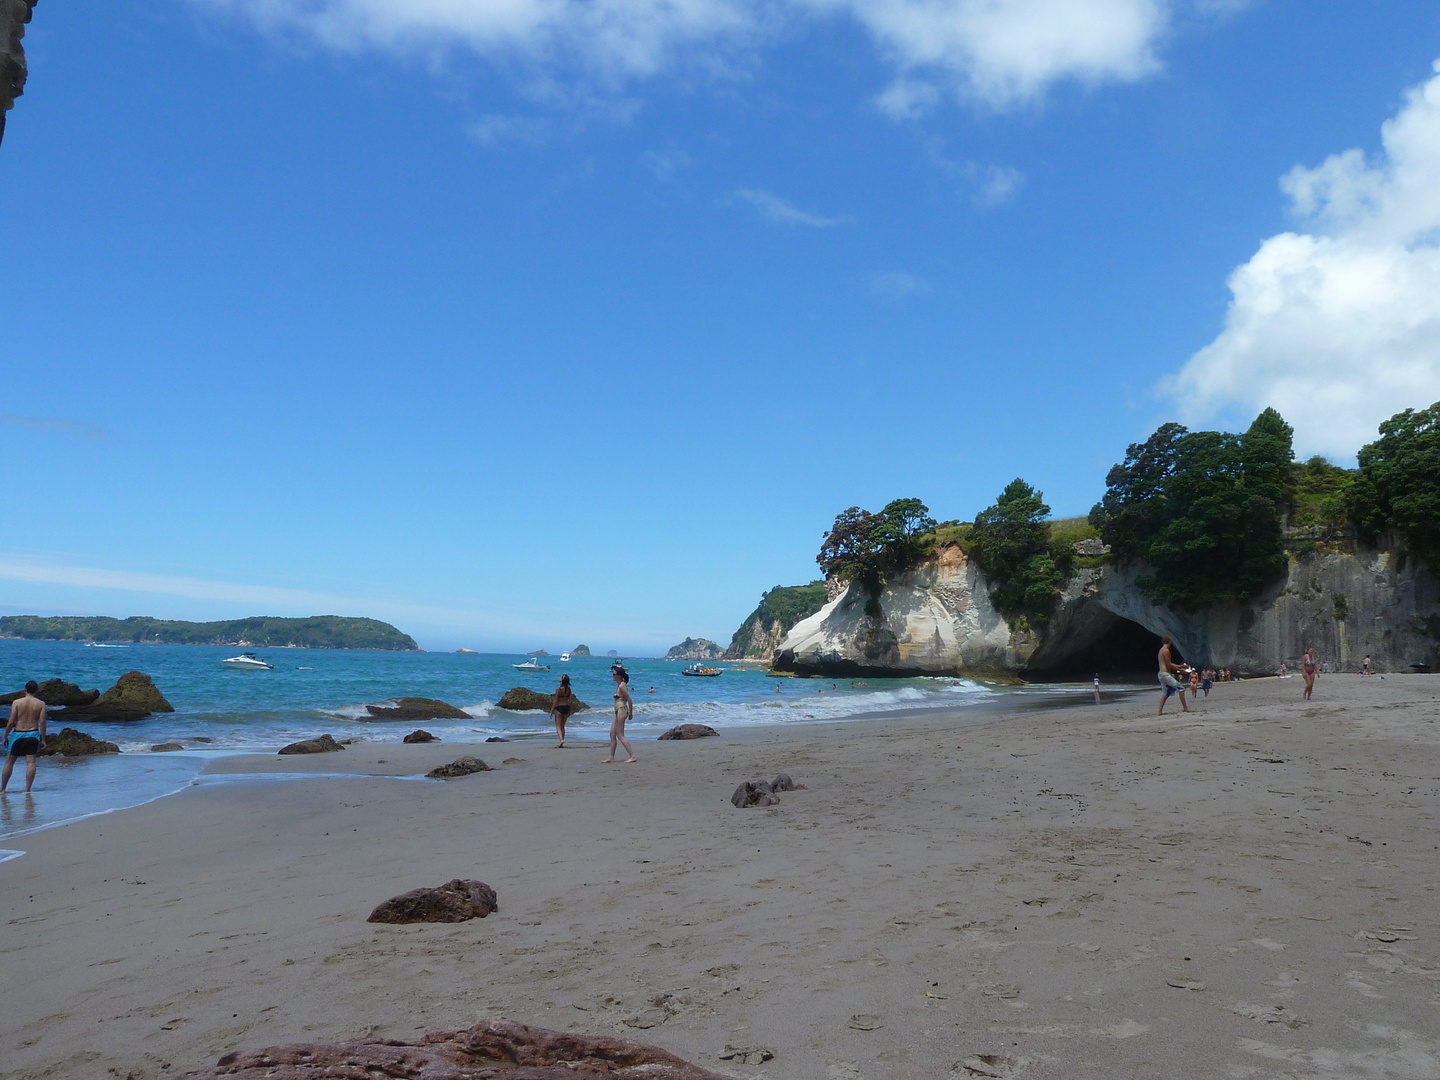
(759, 793)
(133, 697)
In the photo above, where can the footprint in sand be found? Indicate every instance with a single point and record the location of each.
(994, 1065)
(864, 1022)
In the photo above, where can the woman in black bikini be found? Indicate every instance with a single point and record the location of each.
(624, 710)
(564, 704)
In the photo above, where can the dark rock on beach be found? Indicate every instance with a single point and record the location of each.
(325, 744)
(420, 735)
(417, 708)
(784, 783)
(496, 738)
(462, 767)
(756, 794)
(58, 694)
(490, 1049)
(521, 699)
(455, 901)
(133, 697)
(72, 743)
(166, 748)
(689, 731)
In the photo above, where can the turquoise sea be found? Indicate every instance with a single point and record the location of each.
(222, 711)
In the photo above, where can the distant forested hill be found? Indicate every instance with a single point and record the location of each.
(316, 632)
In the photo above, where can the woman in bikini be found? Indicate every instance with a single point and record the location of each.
(624, 710)
(564, 705)
(1308, 668)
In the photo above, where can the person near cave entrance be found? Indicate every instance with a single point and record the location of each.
(1170, 675)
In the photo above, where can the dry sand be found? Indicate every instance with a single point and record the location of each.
(1248, 891)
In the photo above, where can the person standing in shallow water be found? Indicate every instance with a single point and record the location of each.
(624, 710)
(564, 705)
(24, 736)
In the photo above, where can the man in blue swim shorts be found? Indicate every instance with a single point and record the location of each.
(24, 736)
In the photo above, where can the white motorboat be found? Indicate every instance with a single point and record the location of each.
(531, 665)
(248, 662)
(564, 657)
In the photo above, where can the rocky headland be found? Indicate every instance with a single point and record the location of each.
(1348, 600)
(315, 632)
(779, 609)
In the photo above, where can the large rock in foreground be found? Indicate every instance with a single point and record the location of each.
(460, 767)
(133, 697)
(72, 743)
(325, 744)
(417, 708)
(491, 1050)
(521, 699)
(455, 901)
(58, 694)
(688, 731)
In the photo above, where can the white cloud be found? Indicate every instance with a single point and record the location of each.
(897, 283)
(783, 212)
(494, 129)
(1339, 327)
(664, 164)
(998, 184)
(998, 52)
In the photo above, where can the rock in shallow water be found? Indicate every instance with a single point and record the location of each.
(420, 735)
(417, 708)
(72, 743)
(56, 693)
(522, 698)
(491, 1050)
(689, 731)
(133, 697)
(455, 901)
(461, 767)
(166, 748)
(325, 744)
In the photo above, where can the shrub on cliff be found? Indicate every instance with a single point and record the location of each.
(1398, 486)
(872, 548)
(1011, 542)
(1202, 509)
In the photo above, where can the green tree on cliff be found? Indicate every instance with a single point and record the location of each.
(1202, 510)
(1398, 486)
(1011, 542)
(872, 548)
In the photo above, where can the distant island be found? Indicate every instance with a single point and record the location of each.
(695, 649)
(316, 632)
(580, 650)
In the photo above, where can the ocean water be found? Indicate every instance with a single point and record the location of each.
(222, 711)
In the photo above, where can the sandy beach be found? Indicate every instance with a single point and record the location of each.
(1245, 891)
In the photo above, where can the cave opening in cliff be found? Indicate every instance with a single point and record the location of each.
(1122, 648)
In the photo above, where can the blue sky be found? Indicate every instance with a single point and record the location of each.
(530, 323)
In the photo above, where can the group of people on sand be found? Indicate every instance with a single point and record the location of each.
(1176, 677)
(564, 705)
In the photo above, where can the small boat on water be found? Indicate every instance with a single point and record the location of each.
(531, 665)
(247, 662)
(696, 669)
(564, 657)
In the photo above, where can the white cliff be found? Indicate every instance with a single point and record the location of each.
(938, 619)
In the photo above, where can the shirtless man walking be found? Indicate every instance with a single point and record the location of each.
(1169, 684)
(24, 736)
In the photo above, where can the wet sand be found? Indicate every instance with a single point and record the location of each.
(1248, 891)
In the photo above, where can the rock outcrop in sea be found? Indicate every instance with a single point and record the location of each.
(323, 744)
(938, 620)
(522, 698)
(695, 649)
(580, 650)
(57, 694)
(133, 697)
(416, 708)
